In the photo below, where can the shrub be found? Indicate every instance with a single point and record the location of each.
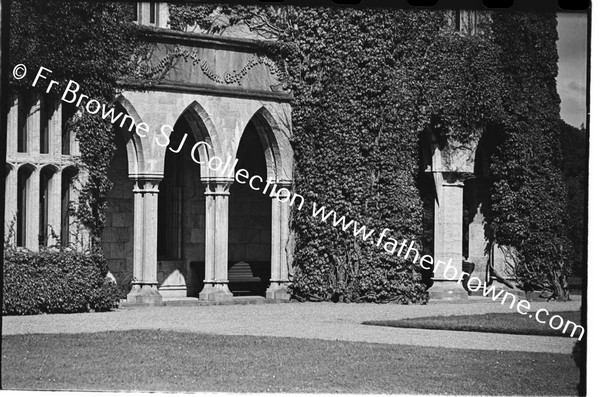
(52, 281)
(106, 297)
(124, 282)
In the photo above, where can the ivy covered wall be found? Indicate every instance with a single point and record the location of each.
(355, 120)
(528, 192)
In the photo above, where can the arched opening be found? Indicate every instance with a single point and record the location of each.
(170, 199)
(68, 110)
(117, 236)
(66, 196)
(24, 103)
(181, 212)
(47, 108)
(23, 189)
(250, 213)
(45, 203)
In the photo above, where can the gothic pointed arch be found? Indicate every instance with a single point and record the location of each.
(275, 142)
(202, 129)
(136, 145)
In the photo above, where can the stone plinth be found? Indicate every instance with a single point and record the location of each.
(278, 290)
(215, 291)
(144, 295)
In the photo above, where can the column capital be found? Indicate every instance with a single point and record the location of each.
(146, 185)
(455, 178)
(286, 183)
(217, 187)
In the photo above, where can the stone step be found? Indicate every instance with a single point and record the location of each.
(237, 300)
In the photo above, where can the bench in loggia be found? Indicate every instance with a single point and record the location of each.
(244, 278)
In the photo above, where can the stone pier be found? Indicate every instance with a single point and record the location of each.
(217, 230)
(145, 285)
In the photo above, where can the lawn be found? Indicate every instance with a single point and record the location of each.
(173, 361)
(502, 323)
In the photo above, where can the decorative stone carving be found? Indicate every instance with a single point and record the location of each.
(229, 77)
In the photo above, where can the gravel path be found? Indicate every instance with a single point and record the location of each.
(327, 321)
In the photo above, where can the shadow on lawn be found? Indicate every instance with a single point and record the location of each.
(500, 323)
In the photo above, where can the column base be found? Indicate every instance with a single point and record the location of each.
(144, 295)
(215, 293)
(447, 290)
(278, 291)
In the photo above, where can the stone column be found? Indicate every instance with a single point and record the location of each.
(280, 231)
(12, 129)
(145, 232)
(216, 234)
(448, 237)
(138, 236)
(33, 125)
(10, 205)
(11, 182)
(32, 211)
(54, 129)
(54, 210)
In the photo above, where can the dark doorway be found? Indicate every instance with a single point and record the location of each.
(250, 216)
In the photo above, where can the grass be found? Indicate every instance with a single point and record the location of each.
(172, 361)
(502, 323)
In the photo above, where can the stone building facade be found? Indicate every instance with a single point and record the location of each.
(175, 227)
(42, 175)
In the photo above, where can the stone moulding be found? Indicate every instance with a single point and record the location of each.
(229, 77)
(201, 40)
(224, 91)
